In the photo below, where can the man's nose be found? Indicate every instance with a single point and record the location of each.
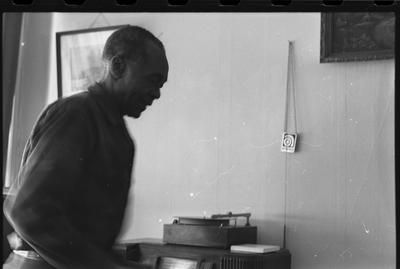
(156, 93)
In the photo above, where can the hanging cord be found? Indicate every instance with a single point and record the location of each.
(95, 20)
(290, 84)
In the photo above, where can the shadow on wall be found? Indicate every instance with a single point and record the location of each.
(270, 231)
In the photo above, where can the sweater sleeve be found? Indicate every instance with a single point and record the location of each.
(38, 203)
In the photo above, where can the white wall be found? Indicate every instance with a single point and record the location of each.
(211, 144)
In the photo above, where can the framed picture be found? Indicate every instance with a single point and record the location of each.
(79, 61)
(357, 36)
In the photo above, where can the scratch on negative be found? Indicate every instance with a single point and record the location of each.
(221, 175)
(311, 144)
(197, 194)
(257, 147)
(365, 228)
(342, 255)
(330, 99)
(194, 143)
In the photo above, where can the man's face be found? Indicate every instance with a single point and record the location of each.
(142, 81)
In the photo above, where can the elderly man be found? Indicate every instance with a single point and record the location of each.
(67, 204)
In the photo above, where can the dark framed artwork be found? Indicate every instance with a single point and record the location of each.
(79, 61)
(358, 36)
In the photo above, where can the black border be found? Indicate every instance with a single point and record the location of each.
(199, 6)
(215, 6)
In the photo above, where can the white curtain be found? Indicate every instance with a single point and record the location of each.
(13, 25)
(36, 53)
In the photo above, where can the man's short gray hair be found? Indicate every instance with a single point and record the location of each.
(129, 42)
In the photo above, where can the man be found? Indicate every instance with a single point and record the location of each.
(68, 201)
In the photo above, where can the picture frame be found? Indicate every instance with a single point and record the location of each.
(358, 36)
(79, 61)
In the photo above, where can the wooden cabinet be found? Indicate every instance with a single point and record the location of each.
(160, 255)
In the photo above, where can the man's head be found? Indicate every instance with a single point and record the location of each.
(137, 68)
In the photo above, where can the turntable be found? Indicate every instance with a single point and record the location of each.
(219, 230)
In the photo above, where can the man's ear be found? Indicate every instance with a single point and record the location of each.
(117, 66)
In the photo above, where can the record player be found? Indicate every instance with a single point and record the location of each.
(218, 231)
(203, 243)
